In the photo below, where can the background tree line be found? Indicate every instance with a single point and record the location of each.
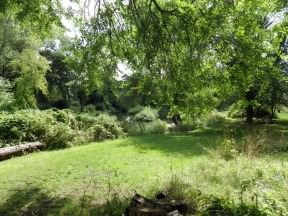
(189, 56)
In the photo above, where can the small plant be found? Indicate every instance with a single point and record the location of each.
(227, 149)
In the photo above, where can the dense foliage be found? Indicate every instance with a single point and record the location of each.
(57, 129)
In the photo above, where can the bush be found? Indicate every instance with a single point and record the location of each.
(59, 136)
(215, 120)
(156, 127)
(28, 125)
(57, 129)
(187, 124)
(147, 115)
(101, 133)
(106, 131)
(90, 108)
(85, 120)
(227, 149)
(185, 127)
(7, 99)
(237, 110)
(105, 118)
(100, 107)
(200, 203)
(139, 128)
(105, 127)
(137, 109)
(64, 116)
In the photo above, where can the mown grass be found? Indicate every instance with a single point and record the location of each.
(98, 178)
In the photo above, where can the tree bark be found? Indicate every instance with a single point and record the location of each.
(141, 206)
(250, 96)
(8, 152)
(249, 114)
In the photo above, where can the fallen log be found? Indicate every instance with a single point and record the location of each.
(17, 150)
(142, 206)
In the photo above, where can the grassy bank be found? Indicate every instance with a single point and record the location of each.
(100, 173)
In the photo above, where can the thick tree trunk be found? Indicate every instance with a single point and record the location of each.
(250, 96)
(81, 105)
(249, 114)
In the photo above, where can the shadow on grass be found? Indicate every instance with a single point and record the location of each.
(273, 139)
(195, 143)
(33, 201)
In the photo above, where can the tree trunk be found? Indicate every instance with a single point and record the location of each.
(250, 96)
(8, 152)
(82, 99)
(141, 206)
(249, 114)
(176, 118)
(81, 104)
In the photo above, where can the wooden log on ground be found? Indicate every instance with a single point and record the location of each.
(17, 150)
(141, 206)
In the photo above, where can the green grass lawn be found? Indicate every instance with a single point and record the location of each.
(101, 171)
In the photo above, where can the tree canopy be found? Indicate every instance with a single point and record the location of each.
(189, 55)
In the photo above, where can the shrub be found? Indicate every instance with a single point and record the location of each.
(237, 110)
(85, 120)
(139, 128)
(156, 127)
(137, 109)
(64, 116)
(22, 126)
(147, 115)
(57, 129)
(105, 131)
(59, 136)
(105, 127)
(185, 127)
(100, 107)
(221, 206)
(253, 143)
(90, 108)
(105, 118)
(187, 124)
(101, 133)
(227, 149)
(215, 120)
(7, 99)
(51, 127)
(210, 205)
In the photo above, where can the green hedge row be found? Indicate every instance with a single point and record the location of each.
(57, 129)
